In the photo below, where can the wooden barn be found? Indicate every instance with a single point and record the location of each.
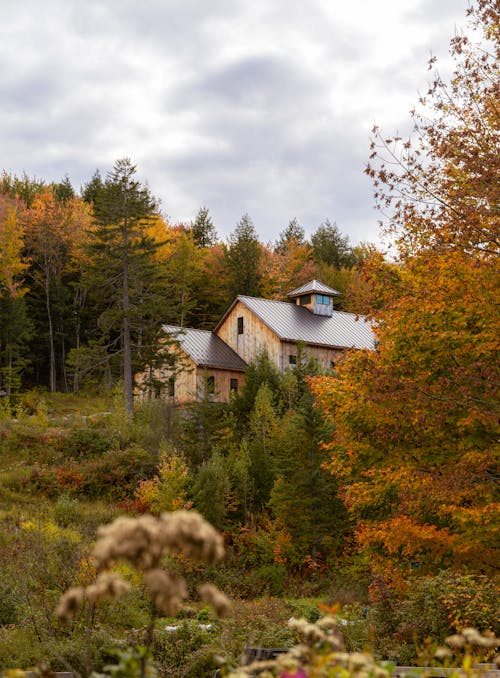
(213, 363)
(251, 324)
(208, 368)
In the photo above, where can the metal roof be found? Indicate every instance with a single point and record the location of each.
(291, 322)
(313, 286)
(205, 348)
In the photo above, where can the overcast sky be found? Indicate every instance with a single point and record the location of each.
(246, 106)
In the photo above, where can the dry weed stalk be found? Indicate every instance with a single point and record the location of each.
(144, 542)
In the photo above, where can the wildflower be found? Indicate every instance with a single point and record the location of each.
(134, 539)
(219, 601)
(472, 636)
(357, 660)
(310, 632)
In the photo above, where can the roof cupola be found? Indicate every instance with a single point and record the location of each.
(316, 297)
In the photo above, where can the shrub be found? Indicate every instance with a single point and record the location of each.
(89, 442)
(9, 613)
(432, 607)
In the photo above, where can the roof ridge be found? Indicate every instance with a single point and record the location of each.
(288, 303)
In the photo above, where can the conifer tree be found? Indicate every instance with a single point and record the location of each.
(123, 268)
(203, 229)
(243, 259)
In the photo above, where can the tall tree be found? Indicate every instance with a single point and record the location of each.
(203, 229)
(243, 258)
(122, 259)
(15, 327)
(291, 236)
(416, 422)
(53, 233)
(331, 247)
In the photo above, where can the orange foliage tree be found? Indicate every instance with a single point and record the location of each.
(415, 442)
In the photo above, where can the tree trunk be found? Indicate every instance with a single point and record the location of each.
(127, 347)
(52, 367)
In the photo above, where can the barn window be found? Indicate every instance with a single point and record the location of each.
(292, 359)
(233, 385)
(240, 324)
(323, 299)
(211, 384)
(332, 364)
(171, 387)
(306, 299)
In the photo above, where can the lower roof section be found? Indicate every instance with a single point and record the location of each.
(205, 348)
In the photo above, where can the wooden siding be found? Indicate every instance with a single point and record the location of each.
(325, 356)
(256, 336)
(190, 383)
(222, 383)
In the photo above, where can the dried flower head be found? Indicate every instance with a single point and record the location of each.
(471, 635)
(442, 653)
(143, 541)
(70, 603)
(219, 601)
(134, 539)
(108, 586)
(310, 632)
(456, 641)
(167, 590)
(188, 533)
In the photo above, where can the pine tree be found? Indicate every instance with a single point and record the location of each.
(331, 247)
(291, 236)
(243, 259)
(123, 267)
(203, 229)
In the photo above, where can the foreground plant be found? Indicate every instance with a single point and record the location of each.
(144, 542)
(321, 654)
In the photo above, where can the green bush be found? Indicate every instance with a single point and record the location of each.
(185, 651)
(113, 475)
(432, 607)
(9, 612)
(66, 510)
(89, 442)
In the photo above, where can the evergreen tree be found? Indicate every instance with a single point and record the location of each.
(291, 236)
(203, 229)
(211, 488)
(63, 190)
(260, 371)
(123, 268)
(243, 259)
(304, 497)
(93, 188)
(263, 431)
(331, 247)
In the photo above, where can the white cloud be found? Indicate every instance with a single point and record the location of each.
(261, 107)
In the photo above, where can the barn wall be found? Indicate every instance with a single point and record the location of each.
(255, 337)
